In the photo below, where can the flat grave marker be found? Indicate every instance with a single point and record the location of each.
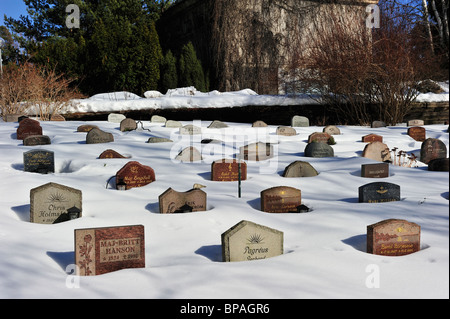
(134, 174)
(103, 250)
(378, 170)
(281, 199)
(173, 202)
(39, 161)
(378, 192)
(227, 170)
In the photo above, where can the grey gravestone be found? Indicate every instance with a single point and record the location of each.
(173, 202)
(438, 165)
(332, 130)
(247, 241)
(39, 161)
(217, 124)
(379, 192)
(377, 151)
(286, 131)
(375, 170)
(377, 124)
(190, 130)
(95, 136)
(128, 125)
(49, 201)
(259, 124)
(299, 121)
(317, 149)
(189, 154)
(116, 118)
(158, 119)
(12, 117)
(299, 169)
(432, 148)
(173, 124)
(416, 123)
(155, 139)
(34, 140)
(256, 151)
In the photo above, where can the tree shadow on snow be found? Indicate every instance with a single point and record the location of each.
(212, 252)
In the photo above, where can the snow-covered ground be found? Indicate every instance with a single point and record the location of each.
(324, 250)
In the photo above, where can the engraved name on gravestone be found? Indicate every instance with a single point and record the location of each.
(281, 199)
(393, 237)
(286, 131)
(49, 201)
(103, 250)
(432, 148)
(190, 130)
(372, 138)
(377, 151)
(299, 169)
(39, 161)
(227, 170)
(379, 192)
(299, 121)
(28, 127)
(189, 154)
(34, 140)
(173, 202)
(380, 170)
(256, 151)
(317, 149)
(128, 125)
(134, 174)
(95, 136)
(418, 133)
(319, 137)
(247, 241)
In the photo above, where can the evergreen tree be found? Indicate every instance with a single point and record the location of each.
(169, 78)
(190, 69)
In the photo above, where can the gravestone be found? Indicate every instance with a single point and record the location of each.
(158, 119)
(286, 131)
(377, 151)
(106, 249)
(281, 199)
(11, 117)
(299, 169)
(110, 154)
(173, 124)
(432, 148)
(155, 139)
(227, 170)
(39, 161)
(380, 170)
(438, 165)
(189, 154)
(128, 124)
(319, 137)
(377, 124)
(217, 124)
(28, 127)
(418, 133)
(116, 118)
(416, 122)
(95, 136)
(372, 138)
(173, 202)
(332, 130)
(379, 192)
(316, 149)
(134, 174)
(393, 237)
(34, 140)
(49, 201)
(86, 128)
(190, 130)
(247, 241)
(256, 151)
(57, 118)
(299, 121)
(259, 124)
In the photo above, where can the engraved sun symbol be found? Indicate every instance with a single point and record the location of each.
(56, 197)
(255, 239)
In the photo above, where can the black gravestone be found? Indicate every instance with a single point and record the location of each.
(39, 161)
(379, 192)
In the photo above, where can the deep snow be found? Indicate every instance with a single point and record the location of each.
(324, 250)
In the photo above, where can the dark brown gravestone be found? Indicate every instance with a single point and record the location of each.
(319, 137)
(379, 192)
(281, 199)
(134, 174)
(286, 131)
(33, 140)
(256, 151)
(372, 138)
(377, 151)
(86, 128)
(103, 250)
(393, 237)
(95, 136)
(380, 170)
(418, 133)
(227, 170)
(173, 202)
(439, 165)
(432, 148)
(110, 154)
(247, 241)
(39, 161)
(128, 125)
(28, 127)
(299, 169)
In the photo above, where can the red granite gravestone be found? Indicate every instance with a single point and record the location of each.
(173, 202)
(418, 133)
(320, 137)
(393, 237)
(86, 128)
(134, 174)
(227, 170)
(103, 250)
(110, 154)
(280, 199)
(372, 138)
(28, 127)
